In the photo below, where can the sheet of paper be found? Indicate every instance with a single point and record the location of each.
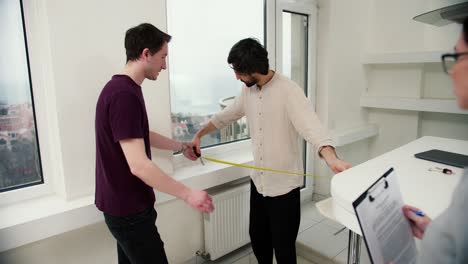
(386, 230)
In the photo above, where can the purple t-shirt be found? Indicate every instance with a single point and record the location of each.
(120, 114)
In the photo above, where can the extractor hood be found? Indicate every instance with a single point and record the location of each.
(446, 15)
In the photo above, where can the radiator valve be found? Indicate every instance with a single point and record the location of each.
(203, 254)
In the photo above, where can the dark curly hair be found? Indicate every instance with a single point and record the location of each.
(249, 56)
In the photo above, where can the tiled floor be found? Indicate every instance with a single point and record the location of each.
(320, 235)
(246, 256)
(319, 241)
(322, 240)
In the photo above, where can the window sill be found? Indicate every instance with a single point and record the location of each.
(32, 220)
(36, 219)
(212, 174)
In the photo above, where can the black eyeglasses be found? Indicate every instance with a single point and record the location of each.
(449, 60)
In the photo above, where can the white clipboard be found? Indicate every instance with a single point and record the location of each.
(386, 231)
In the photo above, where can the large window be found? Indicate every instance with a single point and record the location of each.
(20, 164)
(201, 81)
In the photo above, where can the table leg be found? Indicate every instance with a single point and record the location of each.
(354, 248)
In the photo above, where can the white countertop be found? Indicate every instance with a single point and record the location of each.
(428, 190)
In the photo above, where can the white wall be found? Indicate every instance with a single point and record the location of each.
(86, 44)
(415, 80)
(347, 30)
(342, 27)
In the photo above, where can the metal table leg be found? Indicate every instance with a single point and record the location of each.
(354, 248)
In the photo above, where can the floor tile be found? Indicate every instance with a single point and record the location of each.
(234, 256)
(334, 224)
(301, 260)
(342, 258)
(309, 211)
(306, 223)
(320, 238)
(253, 259)
(243, 260)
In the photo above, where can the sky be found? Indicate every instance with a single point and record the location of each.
(14, 77)
(202, 37)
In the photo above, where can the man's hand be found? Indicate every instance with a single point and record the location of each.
(200, 200)
(196, 141)
(208, 128)
(418, 223)
(187, 150)
(337, 165)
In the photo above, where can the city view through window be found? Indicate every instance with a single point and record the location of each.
(201, 81)
(19, 152)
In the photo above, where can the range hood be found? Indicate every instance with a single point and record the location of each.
(446, 15)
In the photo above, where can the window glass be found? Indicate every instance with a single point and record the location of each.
(201, 81)
(20, 164)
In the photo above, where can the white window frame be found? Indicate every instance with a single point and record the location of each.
(309, 8)
(35, 20)
(224, 149)
(273, 13)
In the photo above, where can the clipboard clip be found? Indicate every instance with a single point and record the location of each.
(372, 198)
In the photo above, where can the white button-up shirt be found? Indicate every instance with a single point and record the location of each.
(278, 114)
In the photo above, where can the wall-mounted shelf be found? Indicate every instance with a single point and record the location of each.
(355, 134)
(402, 57)
(412, 104)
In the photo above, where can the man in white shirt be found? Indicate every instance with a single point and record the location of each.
(278, 113)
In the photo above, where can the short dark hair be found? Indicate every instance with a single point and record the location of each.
(141, 37)
(249, 56)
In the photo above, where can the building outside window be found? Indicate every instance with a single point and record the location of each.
(201, 81)
(20, 164)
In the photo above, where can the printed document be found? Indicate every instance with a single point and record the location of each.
(386, 231)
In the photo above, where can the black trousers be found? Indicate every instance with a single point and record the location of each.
(138, 240)
(274, 224)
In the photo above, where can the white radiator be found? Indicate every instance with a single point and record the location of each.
(227, 228)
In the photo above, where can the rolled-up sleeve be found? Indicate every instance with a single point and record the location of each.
(231, 113)
(306, 121)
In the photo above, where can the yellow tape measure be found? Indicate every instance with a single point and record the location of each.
(259, 168)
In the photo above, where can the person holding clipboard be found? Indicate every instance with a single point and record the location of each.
(386, 231)
(445, 239)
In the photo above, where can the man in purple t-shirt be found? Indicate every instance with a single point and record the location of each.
(125, 174)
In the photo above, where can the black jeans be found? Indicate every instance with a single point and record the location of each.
(138, 240)
(274, 224)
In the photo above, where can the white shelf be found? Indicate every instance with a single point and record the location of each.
(412, 104)
(355, 134)
(402, 57)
